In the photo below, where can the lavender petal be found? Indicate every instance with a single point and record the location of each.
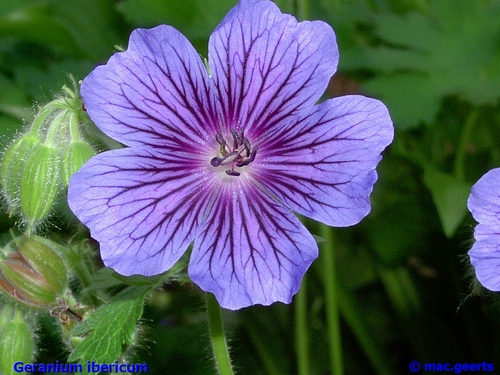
(155, 93)
(251, 250)
(144, 207)
(484, 204)
(267, 66)
(323, 165)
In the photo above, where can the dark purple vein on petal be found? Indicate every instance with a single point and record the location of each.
(269, 223)
(174, 220)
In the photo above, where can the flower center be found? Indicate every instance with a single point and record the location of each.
(240, 155)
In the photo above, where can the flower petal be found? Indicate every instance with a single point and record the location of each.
(144, 207)
(251, 250)
(484, 204)
(485, 257)
(266, 65)
(323, 165)
(155, 93)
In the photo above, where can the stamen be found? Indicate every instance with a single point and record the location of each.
(241, 136)
(230, 172)
(243, 163)
(215, 162)
(235, 138)
(229, 158)
(220, 140)
(223, 150)
(253, 153)
(246, 143)
(242, 153)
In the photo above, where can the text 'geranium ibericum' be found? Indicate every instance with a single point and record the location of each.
(224, 156)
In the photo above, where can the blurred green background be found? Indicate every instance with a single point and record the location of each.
(406, 291)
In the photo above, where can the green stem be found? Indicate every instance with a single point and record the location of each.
(334, 5)
(458, 166)
(264, 348)
(301, 331)
(327, 257)
(303, 10)
(80, 260)
(219, 345)
(356, 319)
(83, 270)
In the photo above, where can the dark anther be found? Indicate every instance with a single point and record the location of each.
(253, 153)
(243, 163)
(235, 138)
(215, 162)
(230, 172)
(220, 140)
(246, 143)
(240, 155)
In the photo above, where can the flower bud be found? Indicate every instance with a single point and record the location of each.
(75, 155)
(13, 166)
(25, 285)
(41, 255)
(35, 274)
(6, 314)
(17, 344)
(39, 184)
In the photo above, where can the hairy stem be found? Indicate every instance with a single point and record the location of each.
(301, 331)
(331, 300)
(219, 345)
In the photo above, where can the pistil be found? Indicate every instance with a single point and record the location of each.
(241, 155)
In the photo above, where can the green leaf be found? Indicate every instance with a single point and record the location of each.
(96, 39)
(111, 327)
(450, 197)
(196, 19)
(42, 83)
(13, 110)
(35, 23)
(415, 31)
(12, 99)
(451, 51)
(400, 220)
(65, 25)
(410, 97)
(7, 6)
(397, 231)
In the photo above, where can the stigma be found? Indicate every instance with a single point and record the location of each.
(237, 155)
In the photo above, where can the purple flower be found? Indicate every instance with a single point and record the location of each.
(484, 204)
(223, 157)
